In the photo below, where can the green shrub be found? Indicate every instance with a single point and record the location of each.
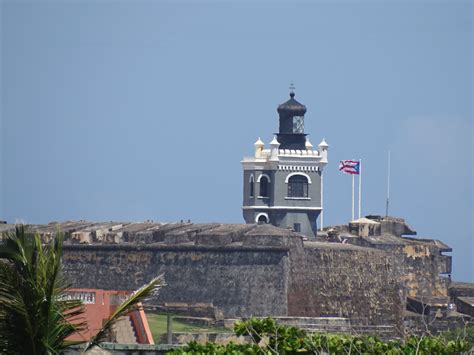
(270, 338)
(466, 333)
(212, 348)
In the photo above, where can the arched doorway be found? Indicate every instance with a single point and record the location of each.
(262, 218)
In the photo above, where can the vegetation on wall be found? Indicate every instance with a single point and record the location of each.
(267, 337)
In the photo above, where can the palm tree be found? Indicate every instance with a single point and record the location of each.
(35, 317)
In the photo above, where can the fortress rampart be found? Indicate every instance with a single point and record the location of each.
(239, 281)
(356, 271)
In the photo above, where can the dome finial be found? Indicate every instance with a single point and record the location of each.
(292, 89)
(274, 142)
(259, 143)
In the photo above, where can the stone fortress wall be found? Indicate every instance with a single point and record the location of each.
(243, 271)
(362, 271)
(420, 264)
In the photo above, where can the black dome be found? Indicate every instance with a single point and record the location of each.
(292, 107)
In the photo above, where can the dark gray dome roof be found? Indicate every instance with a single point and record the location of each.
(292, 106)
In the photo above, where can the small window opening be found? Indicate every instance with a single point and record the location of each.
(264, 186)
(262, 219)
(297, 227)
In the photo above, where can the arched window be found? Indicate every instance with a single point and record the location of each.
(262, 218)
(298, 186)
(264, 186)
(252, 186)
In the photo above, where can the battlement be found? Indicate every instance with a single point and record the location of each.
(164, 234)
(266, 154)
(274, 154)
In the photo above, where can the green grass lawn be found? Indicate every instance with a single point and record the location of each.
(157, 324)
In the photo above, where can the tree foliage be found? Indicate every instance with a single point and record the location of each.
(267, 337)
(35, 317)
(129, 305)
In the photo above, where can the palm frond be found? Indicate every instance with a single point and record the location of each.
(34, 317)
(126, 307)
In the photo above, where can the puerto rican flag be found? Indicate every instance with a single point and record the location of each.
(350, 167)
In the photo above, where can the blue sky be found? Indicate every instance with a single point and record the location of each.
(143, 110)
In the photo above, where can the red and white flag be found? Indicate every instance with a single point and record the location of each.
(350, 167)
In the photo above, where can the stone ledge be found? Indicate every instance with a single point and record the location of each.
(179, 247)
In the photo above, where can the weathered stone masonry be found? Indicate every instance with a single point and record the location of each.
(231, 278)
(242, 270)
(362, 272)
(418, 263)
(344, 281)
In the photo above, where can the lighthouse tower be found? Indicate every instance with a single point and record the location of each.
(283, 183)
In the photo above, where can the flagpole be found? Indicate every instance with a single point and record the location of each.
(322, 201)
(388, 185)
(360, 187)
(352, 197)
